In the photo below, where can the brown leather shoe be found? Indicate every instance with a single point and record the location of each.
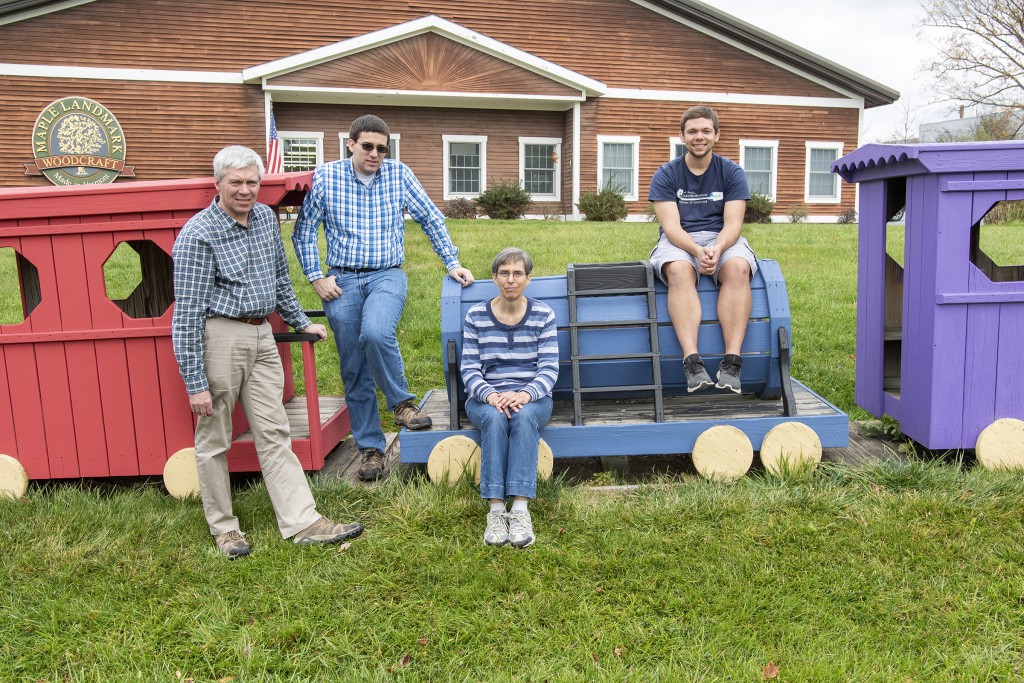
(409, 416)
(371, 465)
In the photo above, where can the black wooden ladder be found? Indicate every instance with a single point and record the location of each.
(606, 279)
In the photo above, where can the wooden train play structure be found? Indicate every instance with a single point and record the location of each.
(939, 321)
(89, 386)
(621, 389)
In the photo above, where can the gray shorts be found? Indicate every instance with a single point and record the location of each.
(666, 252)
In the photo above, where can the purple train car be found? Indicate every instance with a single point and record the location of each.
(939, 317)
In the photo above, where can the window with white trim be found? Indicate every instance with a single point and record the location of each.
(759, 159)
(540, 166)
(618, 164)
(676, 148)
(394, 144)
(822, 185)
(465, 165)
(301, 150)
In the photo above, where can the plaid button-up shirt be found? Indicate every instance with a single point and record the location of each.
(222, 269)
(365, 226)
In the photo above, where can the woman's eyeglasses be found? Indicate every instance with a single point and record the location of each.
(369, 146)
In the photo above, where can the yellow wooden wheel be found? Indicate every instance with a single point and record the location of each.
(181, 478)
(451, 457)
(790, 446)
(722, 453)
(545, 461)
(1001, 445)
(13, 478)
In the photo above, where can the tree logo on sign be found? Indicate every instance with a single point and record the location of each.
(78, 141)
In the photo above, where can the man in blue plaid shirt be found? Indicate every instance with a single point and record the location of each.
(230, 273)
(361, 203)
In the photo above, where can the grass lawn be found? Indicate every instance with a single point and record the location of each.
(897, 572)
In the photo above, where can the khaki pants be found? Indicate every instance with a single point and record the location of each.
(242, 363)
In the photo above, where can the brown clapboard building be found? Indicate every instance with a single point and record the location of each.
(565, 96)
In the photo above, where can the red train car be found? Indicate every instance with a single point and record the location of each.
(89, 386)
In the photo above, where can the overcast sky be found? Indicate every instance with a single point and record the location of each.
(876, 38)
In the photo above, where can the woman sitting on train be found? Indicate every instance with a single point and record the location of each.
(509, 368)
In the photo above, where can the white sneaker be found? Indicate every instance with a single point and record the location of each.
(496, 533)
(520, 528)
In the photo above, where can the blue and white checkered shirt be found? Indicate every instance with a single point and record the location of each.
(222, 269)
(365, 226)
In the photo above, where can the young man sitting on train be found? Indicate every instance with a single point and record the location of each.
(509, 367)
(700, 199)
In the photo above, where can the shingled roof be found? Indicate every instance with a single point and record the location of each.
(702, 16)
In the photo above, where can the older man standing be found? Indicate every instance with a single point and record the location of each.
(230, 273)
(361, 203)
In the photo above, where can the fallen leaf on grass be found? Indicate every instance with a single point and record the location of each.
(561, 531)
(26, 501)
(226, 679)
(251, 620)
(598, 589)
(178, 674)
(422, 641)
(343, 547)
(769, 671)
(406, 660)
(618, 651)
(594, 655)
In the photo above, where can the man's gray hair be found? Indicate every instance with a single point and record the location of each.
(512, 255)
(235, 156)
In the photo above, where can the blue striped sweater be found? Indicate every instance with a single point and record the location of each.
(497, 357)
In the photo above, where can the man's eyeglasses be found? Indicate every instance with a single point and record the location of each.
(381, 149)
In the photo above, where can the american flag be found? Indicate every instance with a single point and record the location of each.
(275, 164)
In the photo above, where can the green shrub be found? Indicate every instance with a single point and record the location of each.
(460, 208)
(504, 200)
(650, 213)
(759, 209)
(607, 205)
(846, 217)
(797, 213)
(1005, 212)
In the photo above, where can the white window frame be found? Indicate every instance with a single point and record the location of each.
(395, 156)
(482, 141)
(283, 135)
(672, 144)
(629, 139)
(838, 147)
(557, 185)
(774, 144)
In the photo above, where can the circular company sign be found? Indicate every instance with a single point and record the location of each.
(78, 141)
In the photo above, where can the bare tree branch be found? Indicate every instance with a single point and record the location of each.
(981, 56)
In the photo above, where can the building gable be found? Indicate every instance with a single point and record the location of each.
(425, 62)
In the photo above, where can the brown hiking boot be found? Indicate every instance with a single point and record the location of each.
(409, 416)
(232, 544)
(371, 464)
(324, 530)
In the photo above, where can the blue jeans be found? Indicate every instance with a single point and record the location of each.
(364, 319)
(508, 447)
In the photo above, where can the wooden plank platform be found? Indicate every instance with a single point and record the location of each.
(627, 427)
(636, 470)
(298, 416)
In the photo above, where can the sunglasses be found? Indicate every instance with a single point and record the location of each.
(369, 146)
